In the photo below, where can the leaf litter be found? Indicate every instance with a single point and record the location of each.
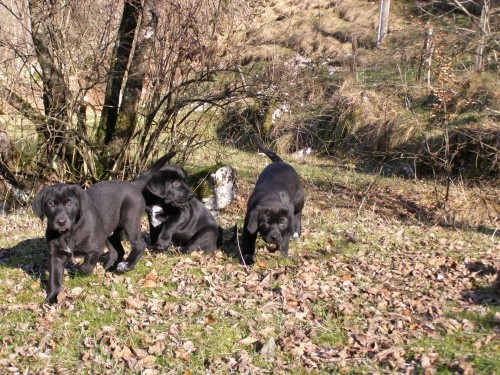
(369, 293)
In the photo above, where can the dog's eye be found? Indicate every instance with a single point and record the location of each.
(69, 204)
(283, 221)
(176, 183)
(51, 204)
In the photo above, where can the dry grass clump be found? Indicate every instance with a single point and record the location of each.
(323, 29)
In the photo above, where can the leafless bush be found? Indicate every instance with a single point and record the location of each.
(58, 57)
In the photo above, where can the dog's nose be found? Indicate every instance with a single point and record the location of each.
(274, 236)
(61, 222)
(191, 196)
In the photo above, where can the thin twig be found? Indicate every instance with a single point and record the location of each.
(239, 249)
(372, 182)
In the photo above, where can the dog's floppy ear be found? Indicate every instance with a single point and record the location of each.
(183, 174)
(157, 185)
(83, 199)
(285, 198)
(253, 220)
(39, 202)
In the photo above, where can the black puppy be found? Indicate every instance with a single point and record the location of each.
(176, 216)
(274, 208)
(82, 223)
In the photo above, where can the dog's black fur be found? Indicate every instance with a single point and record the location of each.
(176, 217)
(82, 223)
(274, 208)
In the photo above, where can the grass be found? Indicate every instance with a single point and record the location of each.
(358, 281)
(380, 265)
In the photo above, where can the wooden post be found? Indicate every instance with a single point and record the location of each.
(354, 45)
(383, 24)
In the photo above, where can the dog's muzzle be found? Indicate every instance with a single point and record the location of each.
(273, 238)
(182, 201)
(61, 224)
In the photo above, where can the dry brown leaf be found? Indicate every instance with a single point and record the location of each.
(133, 303)
(157, 348)
(266, 331)
(261, 264)
(249, 340)
(150, 283)
(124, 353)
(182, 354)
(147, 361)
(209, 319)
(297, 351)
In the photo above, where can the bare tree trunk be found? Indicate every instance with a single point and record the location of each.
(383, 25)
(132, 91)
(55, 91)
(131, 12)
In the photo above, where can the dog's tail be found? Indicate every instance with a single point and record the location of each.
(144, 178)
(272, 155)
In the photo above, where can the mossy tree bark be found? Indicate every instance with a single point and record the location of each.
(123, 50)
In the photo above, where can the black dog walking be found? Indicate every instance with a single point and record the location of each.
(274, 208)
(82, 223)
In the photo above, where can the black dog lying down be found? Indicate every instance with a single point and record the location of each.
(274, 208)
(176, 217)
(82, 223)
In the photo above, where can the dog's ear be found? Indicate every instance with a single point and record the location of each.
(83, 199)
(157, 185)
(253, 221)
(39, 202)
(183, 174)
(285, 198)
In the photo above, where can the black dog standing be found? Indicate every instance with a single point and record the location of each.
(274, 208)
(176, 217)
(82, 223)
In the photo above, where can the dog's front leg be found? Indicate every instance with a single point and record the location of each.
(284, 246)
(297, 225)
(248, 246)
(165, 237)
(56, 273)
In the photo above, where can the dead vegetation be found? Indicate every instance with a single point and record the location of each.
(369, 102)
(379, 283)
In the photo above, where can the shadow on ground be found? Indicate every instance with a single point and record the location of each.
(484, 295)
(29, 255)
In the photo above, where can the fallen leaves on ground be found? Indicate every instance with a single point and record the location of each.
(378, 296)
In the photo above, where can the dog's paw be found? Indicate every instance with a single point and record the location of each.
(122, 267)
(161, 245)
(86, 269)
(248, 260)
(50, 300)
